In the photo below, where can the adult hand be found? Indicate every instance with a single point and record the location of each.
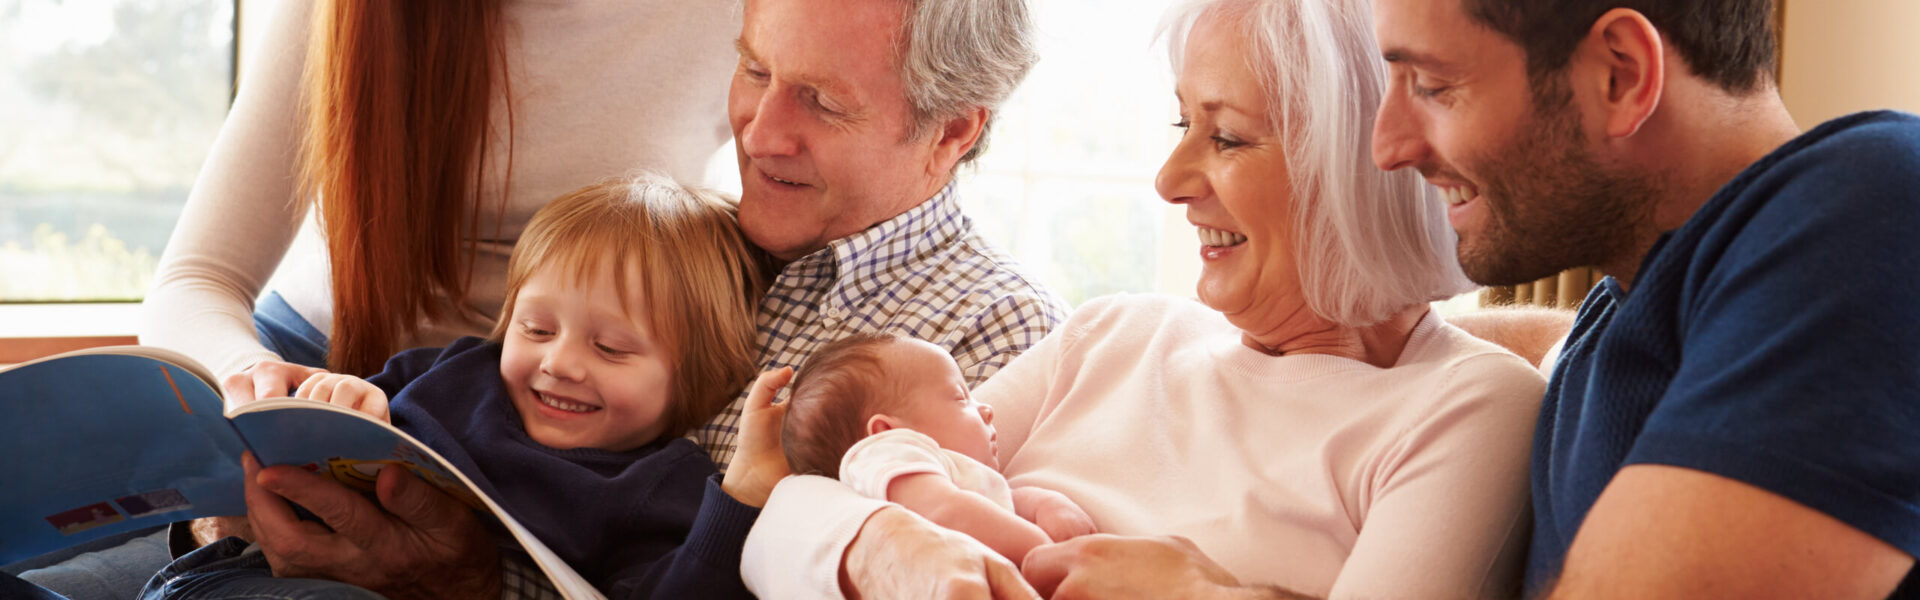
(758, 461)
(897, 554)
(1054, 512)
(265, 379)
(345, 391)
(424, 544)
(1109, 566)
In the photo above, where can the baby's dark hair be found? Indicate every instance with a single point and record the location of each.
(840, 386)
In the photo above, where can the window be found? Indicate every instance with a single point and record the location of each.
(110, 107)
(1066, 184)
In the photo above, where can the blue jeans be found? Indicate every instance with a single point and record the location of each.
(113, 572)
(230, 569)
(286, 333)
(117, 571)
(15, 588)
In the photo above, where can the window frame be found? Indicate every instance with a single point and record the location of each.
(32, 329)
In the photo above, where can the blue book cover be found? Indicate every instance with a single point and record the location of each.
(116, 439)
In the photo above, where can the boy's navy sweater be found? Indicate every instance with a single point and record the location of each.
(646, 523)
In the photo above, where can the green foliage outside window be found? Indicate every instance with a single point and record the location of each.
(110, 106)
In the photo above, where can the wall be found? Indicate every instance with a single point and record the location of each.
(1844, 56)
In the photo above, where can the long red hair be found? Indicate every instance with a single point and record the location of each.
(397, 111)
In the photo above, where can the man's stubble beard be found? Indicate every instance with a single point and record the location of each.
(1552, 205)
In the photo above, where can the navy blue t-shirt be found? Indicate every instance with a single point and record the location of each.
(1774, 339)
(651, 522)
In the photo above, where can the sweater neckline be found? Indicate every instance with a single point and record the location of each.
(1233, 356)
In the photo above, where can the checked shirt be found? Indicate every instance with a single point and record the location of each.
(925, 273)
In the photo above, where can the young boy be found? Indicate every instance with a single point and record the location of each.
(890, 416)
(628, 320)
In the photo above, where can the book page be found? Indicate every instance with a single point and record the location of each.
(110, 440)
(352, 447)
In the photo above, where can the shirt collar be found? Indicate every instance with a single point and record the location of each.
(857, 263)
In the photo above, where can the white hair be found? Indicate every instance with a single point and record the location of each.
(1370, 243)
(957, 55)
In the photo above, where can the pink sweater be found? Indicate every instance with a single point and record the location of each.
(1320, 474)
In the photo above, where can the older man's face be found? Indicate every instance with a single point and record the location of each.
(821, 120)
(1525, 189)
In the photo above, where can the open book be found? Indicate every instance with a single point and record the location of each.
(115, 439)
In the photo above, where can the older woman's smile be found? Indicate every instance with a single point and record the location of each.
(1219, 238)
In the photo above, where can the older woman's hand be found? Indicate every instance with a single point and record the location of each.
(900, 555)
(1108, 566)
(418, 543)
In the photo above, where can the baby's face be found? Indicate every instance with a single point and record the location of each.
(937, 403)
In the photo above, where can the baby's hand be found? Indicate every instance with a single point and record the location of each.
(1056, 514)
(345, 391)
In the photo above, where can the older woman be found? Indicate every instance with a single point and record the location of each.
(1308, 424)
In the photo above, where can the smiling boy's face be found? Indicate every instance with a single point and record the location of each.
(583, 372)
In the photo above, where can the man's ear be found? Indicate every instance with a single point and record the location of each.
(880, 423)
(1627, 57)
(954, 138)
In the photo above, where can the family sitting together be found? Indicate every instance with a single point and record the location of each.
(1732, 415)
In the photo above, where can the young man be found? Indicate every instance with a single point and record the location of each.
(1735, 411)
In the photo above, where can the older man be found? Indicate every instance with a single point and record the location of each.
(850, 118)
(1734, 413)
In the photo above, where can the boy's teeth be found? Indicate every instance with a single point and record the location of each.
(1220, 239)
(563, 405)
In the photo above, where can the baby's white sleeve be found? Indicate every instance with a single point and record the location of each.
(877, 460)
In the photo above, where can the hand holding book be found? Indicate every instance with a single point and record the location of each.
(265, 379)
(417, 542)
(345, 391)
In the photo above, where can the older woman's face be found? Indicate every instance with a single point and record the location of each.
(1230, 172)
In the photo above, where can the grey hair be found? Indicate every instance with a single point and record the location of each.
(1370, 243)
(959, 55)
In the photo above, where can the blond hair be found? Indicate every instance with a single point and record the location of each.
(701, 278)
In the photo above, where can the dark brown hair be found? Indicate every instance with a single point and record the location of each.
(838, 388)
(700, 279)
(1727, 42)
(397, 99)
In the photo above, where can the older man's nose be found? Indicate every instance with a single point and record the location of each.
(771, 130)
